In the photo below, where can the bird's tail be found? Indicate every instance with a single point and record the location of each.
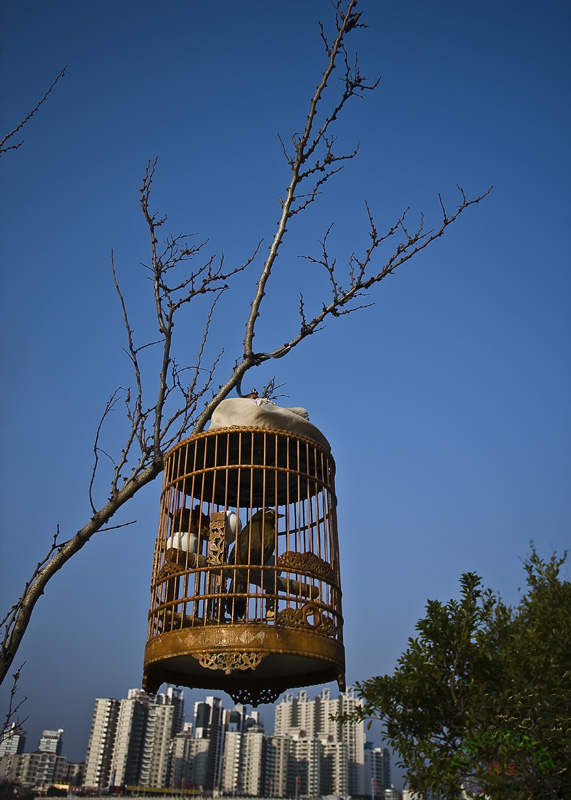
(233, 605)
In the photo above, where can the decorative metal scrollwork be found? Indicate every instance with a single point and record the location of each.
(216, 539)
(299, 618)
(230, 661)
(253, 697)
(307, 562)
(168, 570)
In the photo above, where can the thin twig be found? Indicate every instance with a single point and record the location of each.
(11, 722)
(28, 117)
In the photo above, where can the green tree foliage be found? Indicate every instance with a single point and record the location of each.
(480, 702)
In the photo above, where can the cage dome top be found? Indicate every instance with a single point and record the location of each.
(262, 413)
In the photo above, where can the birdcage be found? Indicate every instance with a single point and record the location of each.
(245, 593)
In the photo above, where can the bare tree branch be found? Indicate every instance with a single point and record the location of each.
(11, 720)
(270, 389)
(121, 525)
(27, 118)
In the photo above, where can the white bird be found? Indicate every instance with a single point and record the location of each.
(173, 542)
(233, 526)
(188, 542)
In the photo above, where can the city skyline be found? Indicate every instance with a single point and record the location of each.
(258, 712)
(145, 740)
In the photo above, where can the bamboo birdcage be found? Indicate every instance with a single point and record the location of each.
(227, 613)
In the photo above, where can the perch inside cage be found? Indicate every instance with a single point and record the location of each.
(246, 593)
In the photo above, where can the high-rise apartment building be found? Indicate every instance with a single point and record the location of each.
(304, 767)
(34, 769)
(127, 760)
(130, 739)
(325, 709)
(231, 762)
(243, 762)
(302, 718)
(334, 773)
(243, 754)
(101, 743)
(208, 725)
(156, 747)
(353, 734)
(377, 771)
(175, 698)
(277, 757)
(12, 741)
(51, 742)
(188, 761)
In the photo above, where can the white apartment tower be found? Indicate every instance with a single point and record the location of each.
(283, 716)
(303, 718)
(377, 771)
(325, 708)
(244, 752)
(12, 741)
(232, 762)
(295, 716)
(101, 743)
(305, 715)
(334, 772)
(130, 739)
(51, 742)
(252, 762)
(353, 734)
(304, 767)
(277, 756)
(165, 719)
(156, 747)
(188, 761)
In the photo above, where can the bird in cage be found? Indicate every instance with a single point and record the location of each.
(255, 546)
(233, 526)
(186, 526)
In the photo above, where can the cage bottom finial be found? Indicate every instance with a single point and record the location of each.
(253, 697)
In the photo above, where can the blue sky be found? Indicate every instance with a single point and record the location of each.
(447, 403)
